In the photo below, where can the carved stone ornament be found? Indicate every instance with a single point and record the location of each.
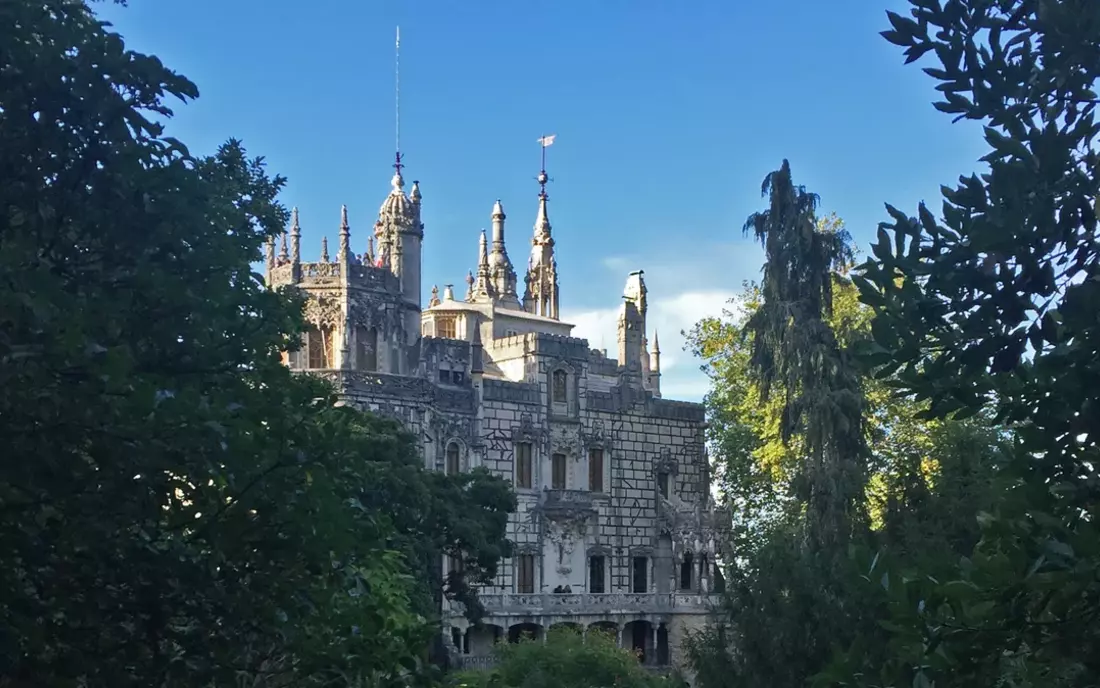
(564, 536)
(665, 463)
(526, 431)
(446, 428)
(598, 438)
(324, 310)
(565, 440)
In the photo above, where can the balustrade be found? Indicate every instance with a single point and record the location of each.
(594, 603)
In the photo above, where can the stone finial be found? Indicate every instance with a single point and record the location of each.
(656, 342)
(324, 250)
(434, 301)
(414, 193)
(448, 292)
(470, 285)
(345, 234)
(370, 250)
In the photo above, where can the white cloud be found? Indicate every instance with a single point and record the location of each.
(669, 317)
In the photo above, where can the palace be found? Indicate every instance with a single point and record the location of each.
(615, 527)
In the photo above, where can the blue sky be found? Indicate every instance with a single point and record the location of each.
(668, 115)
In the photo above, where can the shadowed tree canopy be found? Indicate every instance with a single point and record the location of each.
(178, 509)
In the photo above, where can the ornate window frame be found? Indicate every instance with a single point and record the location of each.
(526, 550)
(598, 551)
(463, 453)
(634, 553)
(665, 464)
(597, 439)
(568, 408)
(526, 433)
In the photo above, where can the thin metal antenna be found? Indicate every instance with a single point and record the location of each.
(397, 91)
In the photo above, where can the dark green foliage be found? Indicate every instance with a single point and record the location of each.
(992, 307)
(794, 350)
(927, 480)
(178, 509)
(565, 660)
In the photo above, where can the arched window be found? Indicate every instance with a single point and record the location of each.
(320, 347)
(453, 459)
(685, 571)
(559, 387)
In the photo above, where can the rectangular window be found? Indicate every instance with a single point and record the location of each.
(523, 465)
(525, 574)
(557, 471)
(445, 328)
(367, 349)
(595, 470)
(662, 484)
(641, 575)
(596, 571)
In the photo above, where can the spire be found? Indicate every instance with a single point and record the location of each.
(542, 220)
(369, 258)
(541, 295)
(345, 235)
(483, 287)
(324, 250)
(284, 256)
(656, 342)
(295, 239)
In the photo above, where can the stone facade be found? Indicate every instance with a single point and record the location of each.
(616, 528)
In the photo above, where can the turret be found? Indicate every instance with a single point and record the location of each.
(400, 236)
(501, 272)
(632, 354)
(630, 337)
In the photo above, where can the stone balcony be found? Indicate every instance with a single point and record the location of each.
(597, 604)
(557, 504)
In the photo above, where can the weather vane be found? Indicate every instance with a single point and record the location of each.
(545, 141)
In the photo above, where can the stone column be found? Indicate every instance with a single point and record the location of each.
(651, 656)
